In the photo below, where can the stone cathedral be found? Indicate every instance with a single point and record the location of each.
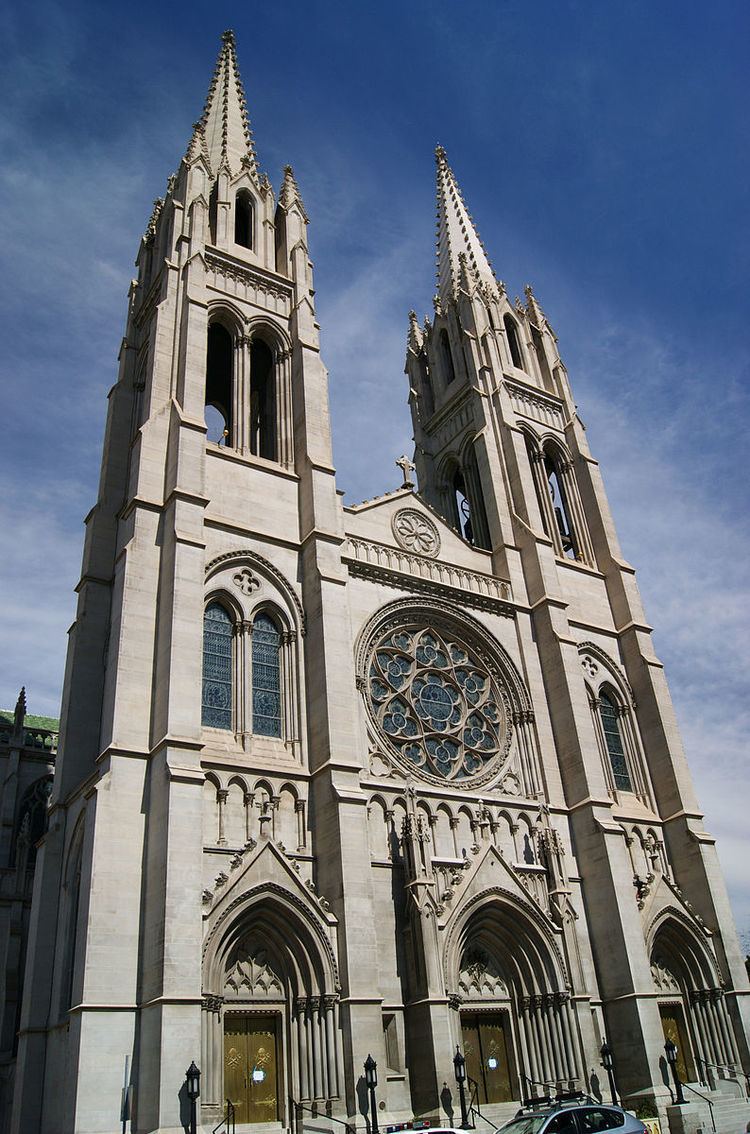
(389, 779)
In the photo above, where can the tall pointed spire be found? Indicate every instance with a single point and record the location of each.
(223, 133)
(457, 237)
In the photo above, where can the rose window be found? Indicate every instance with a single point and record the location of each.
(437, 704)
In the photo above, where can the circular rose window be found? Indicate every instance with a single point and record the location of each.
(436, 703)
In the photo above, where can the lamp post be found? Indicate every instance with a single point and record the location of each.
(608, 1064)
(459, 1066)
(371, 1079)
(193, 1082)
(670, 1050)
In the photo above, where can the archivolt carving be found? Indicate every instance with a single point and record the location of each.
(664, 980)
(252, 559)
(252, 974)
(510, 900)
(264, 889)
(591, 654)
(479, 977)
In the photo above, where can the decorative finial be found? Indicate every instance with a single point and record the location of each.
(228, 37)
(20, 710)
(407, 467)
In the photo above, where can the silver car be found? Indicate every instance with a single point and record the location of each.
(580, 1117)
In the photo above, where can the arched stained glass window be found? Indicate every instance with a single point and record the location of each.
(217, 667)
(613, 740)
(266, 677)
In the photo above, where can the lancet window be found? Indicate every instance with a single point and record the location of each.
(514, 345)
(219, 385)
(466, 502)
(266, 677)
(250, 684)
(608, 712)
(616, 729)
(560, 507)
(262, 401)
(217, 667)
(446, 356)
(243, 219)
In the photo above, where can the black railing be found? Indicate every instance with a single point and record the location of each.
(705, 1098)
(228, 1122)
(316, 1112)
(474, 1111)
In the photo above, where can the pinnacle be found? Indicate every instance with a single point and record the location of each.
(290, 192)
(461, 258)
(223, 135)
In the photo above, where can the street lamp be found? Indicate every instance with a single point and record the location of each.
(371, 1079)
(193, 1084)
(459, 1066)
(670, 1050)
(608, 1064)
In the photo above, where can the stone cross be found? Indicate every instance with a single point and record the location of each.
(407, 467)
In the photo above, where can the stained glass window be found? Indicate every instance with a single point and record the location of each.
(266, 677)
(436, 702)
(613, 739)
(217, 667)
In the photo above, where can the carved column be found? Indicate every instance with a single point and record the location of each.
(577, 517)
(304, 1078)
(249, 799)
(329, 1004)
(289, 689)
(314, 1037)
(241, 394)
(245, 702)
(221, 799)
(725, 1025)
(299, 811)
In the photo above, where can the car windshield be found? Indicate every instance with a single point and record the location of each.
(528, 1124)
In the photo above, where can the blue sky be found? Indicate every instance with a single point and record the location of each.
(603, 152)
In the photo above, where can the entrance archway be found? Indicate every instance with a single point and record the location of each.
(517, 1025)
(691, 1002)
(270, 1010)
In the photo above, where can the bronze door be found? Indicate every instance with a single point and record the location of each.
(673, 1025)
(251, 1066)
(486, 1051)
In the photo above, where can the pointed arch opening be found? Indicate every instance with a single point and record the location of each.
(270, 1007)
(244, 219)
(514, 343)
(609, 713)
(266, 676)
(219, 385)
(218, 677)
(515, 1012)
(262, 401)
(560, 507)
(446, 357)
(691, 1002)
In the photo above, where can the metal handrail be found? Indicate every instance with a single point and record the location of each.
(229, 1116)
(687, 1087)
(315, 1112)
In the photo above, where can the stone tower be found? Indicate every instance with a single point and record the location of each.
(332, 781)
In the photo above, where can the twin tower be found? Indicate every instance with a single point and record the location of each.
(392, 778)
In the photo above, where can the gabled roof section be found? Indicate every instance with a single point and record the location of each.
(457, 236)
(223, 133)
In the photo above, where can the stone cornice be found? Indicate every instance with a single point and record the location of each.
(418, 574)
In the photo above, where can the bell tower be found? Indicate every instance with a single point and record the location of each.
(186, 747)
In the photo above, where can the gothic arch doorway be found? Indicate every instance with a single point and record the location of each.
(691, 1003)
(270, 1020)
(516, 1020)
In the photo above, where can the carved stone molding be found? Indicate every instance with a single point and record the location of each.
(539, 407)
(416, 532)
(397, 567)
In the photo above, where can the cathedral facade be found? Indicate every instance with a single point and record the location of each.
(392, 779)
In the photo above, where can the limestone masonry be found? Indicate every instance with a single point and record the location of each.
(393, 778)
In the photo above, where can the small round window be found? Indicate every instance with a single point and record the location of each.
(435, 701)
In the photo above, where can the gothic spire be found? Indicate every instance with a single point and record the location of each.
(223, 133)
(457, 237)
